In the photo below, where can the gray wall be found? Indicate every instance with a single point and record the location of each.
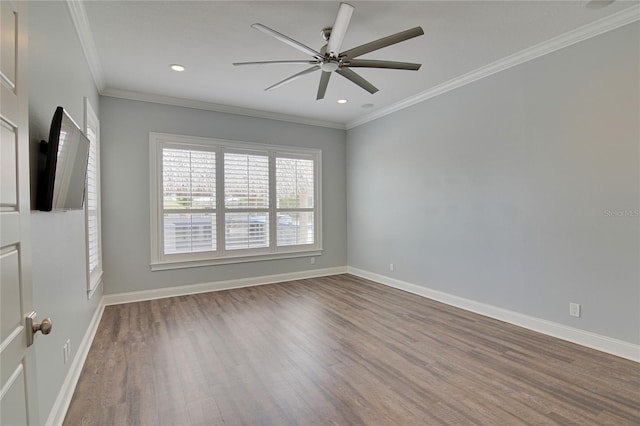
(58, 75)
(520, 190)
(125, 127)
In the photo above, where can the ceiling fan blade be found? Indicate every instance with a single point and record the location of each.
(365, 63)
(288, 40)
(339, 29)
(383, 42)
(357, 79)
(324, 82)
(293, 77)
(309, 62)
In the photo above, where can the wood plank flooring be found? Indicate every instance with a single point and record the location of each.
(339, 350)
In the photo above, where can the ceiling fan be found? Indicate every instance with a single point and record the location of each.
(330, 59)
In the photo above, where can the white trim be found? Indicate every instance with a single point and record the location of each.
(63, 400)
(94, 279)
(96, 286)
(608, 23)
(162, 261)
(581, 337)
(577, 35)
(10, 338)
(85, 36)
(7, 81)
(83, 30)
(209, 106)
(236, 145)
(61, 404)
(14, 376)
(160, 293)
(181, 264)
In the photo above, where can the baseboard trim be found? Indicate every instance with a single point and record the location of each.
(139, 296)
(591, 340)
(585, 338)
(61, 404)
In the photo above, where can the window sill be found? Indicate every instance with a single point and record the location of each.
(94, 284)
(166, 265)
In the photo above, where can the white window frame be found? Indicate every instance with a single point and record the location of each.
(161, 261)
(94, 277)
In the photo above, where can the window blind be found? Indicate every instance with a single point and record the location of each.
(219, 201)
(189, 200)
(295, 201)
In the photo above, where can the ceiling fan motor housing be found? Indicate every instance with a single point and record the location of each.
(329, 65)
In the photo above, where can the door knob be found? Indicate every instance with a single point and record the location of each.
(44, 327)
(33, 327)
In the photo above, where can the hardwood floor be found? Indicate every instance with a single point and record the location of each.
(339, 350)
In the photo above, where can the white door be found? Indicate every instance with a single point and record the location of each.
(17, 374)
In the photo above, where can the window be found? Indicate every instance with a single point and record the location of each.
(189, 201)
(246, 201)
(92, 201)
(215, 201)
(295, 201)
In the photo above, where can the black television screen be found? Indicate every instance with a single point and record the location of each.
(62, 169)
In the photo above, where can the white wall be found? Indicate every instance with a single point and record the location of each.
(58, 75)
(506, 191)
(125, 127)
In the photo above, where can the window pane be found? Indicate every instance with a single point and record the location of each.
(294, 183)
(246, 181)
(295, 228)
(93, 230)
(246, 230)
(189, 233)
(94, 242)
(92, 175)
(188, 179)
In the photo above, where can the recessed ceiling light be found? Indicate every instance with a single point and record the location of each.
(342, 101)
(367, 105)
(177, 67)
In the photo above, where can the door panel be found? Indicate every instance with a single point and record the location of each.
(8, 170)
(14, 409)
(11, 314)
(18, 392)
(9, 23)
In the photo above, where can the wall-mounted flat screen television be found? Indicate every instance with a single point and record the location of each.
(62, 166)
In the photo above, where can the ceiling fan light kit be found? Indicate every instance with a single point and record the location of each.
(330, 59)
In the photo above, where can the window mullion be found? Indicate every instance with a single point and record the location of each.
(160, 201)
(248, 210)
(273, 216)
(192, 211)
(220, 197)
(295, 209)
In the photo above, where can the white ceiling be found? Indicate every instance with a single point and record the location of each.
(136, 41)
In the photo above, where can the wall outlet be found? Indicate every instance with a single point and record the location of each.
(574, 309)
(313, 260)
(391, 267)
(66, 349)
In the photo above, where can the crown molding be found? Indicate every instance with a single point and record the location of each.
(83, 30)
(208, 106)
(609, 23)
(81, 24)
